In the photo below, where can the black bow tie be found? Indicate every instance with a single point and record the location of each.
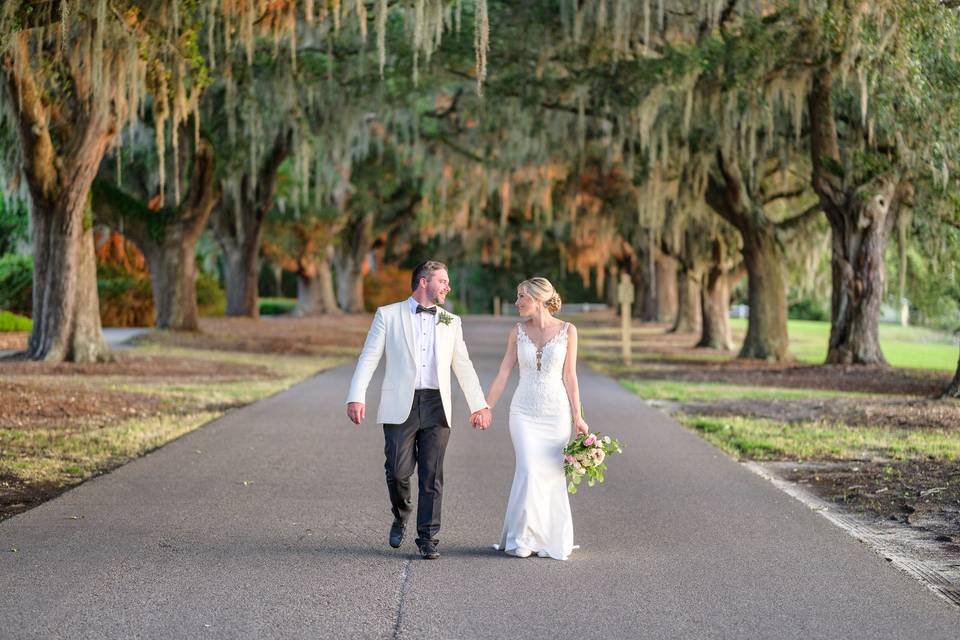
(431, 310)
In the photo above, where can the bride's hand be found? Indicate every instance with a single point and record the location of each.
(581, 426)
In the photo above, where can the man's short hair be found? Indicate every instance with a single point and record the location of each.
(425, 270)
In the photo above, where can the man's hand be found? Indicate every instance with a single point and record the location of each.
(356, 411)
(481, 419)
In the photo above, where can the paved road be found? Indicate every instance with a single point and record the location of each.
(271, 523)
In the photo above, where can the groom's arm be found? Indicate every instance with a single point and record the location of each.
(466, 375)
(368, 360)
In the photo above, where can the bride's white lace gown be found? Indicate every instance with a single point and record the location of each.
(538, 519)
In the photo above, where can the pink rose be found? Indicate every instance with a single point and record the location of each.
(590, 440)
(569, 459)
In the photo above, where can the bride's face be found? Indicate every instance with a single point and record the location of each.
(525, 304)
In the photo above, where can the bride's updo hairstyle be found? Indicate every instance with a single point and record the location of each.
(540, 289)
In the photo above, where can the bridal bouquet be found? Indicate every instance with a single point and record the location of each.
(584, 458)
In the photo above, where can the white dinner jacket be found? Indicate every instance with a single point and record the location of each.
(391, 333)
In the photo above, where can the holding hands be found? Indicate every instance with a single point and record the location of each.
(481, 419)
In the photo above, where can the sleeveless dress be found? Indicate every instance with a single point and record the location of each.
(538, 519)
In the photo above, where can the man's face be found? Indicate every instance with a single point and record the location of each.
(438, 286)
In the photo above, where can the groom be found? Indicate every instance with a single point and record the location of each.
(422, 342)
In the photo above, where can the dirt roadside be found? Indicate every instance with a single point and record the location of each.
(923, 494)
(163, 377)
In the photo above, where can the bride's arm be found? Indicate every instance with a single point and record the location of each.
(506, 366)
(570, 380)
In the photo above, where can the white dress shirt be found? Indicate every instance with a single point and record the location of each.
(424, 342)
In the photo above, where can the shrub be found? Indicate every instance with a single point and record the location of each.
(276, 306)
(211, 300)
(13, 322)
(16, 283)
(126, 299)
(387, 284)
(14, 225)
(807, 309)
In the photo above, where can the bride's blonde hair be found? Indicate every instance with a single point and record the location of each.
(540, 289)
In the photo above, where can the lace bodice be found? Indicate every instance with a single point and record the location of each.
(541, 391)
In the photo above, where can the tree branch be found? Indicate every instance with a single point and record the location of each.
(202, 194)
(801, 218)
(123, 212)
(795, 193)
(824, 145)
(32, 120)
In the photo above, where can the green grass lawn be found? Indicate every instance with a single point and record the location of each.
(907, 347)
(760, 439)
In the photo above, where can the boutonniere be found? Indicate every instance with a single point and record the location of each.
(444, 317)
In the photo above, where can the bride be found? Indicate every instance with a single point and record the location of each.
(545, 403)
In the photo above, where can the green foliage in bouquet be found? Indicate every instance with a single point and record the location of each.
(585, 458)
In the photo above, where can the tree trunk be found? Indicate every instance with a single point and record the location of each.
(858, 274)
(953, 389)
(168, 238)
(315, 292)
(640, 289)
(766, 337)
(688, 307)
(355, 243)
(173, 274)
(649, 295)
(240, 259)
(666, 296)
(238, 226)
(861, 219)
(328, 294)
(66, 310)
(277, 271)
(715, 296)
(610, 282)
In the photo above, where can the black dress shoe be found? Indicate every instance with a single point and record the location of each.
(428, 551)
(396, 533)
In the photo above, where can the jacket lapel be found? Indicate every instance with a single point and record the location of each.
(442, 345)
(407, 320)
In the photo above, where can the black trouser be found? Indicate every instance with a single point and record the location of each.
(419, 442)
